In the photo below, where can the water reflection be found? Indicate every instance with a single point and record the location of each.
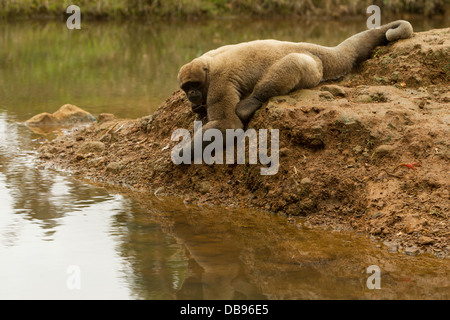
(244, 254)
(154, 263)
(47, 223)
(212, 265)
(35, 194)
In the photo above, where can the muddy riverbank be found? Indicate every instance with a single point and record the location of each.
(368, 153)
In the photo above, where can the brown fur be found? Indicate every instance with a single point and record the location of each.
(230, 83)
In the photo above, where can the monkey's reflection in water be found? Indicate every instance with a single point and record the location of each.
(215, 273)
(176, 251)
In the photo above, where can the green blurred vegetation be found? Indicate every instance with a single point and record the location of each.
(193, 9)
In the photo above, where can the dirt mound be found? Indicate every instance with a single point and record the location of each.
(419, 62)
(353, 155)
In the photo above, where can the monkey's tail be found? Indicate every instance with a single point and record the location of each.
(366, 41)
(357, 48)
(400, 29)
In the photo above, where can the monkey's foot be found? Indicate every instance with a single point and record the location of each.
(246, 108)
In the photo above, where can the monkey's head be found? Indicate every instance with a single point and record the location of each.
(193, 80)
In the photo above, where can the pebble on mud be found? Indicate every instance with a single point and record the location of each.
(424, 240)
(412, 224)
(326, 95)
(91, 147)
(113, 167)
(335, 90)
(383, 150)
(204, 187)
(392, 246)
(305, 181)
(411, 251)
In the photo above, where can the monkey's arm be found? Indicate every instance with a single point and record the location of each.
(221, 103)
(294, 71)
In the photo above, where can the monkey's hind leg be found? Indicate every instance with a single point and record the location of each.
(294, 71)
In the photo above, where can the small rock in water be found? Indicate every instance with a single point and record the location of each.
(66, 114)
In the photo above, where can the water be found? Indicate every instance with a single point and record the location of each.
(62, 238)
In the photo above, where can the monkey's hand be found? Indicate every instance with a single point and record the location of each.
(199, 109)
